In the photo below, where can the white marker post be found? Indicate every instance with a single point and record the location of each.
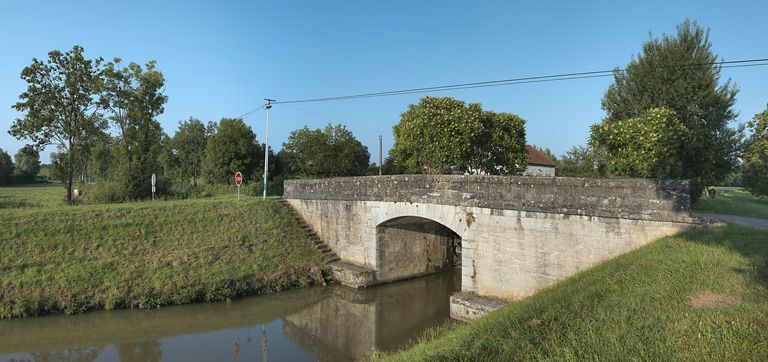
(154, 181)
(238, 181)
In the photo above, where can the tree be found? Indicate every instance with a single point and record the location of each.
(6, 168)
(547, 152)
(27, 164)
(644, 146)
(330, 152)
(676, 72)
(444, 135)
(189, 147)
(133, 95)
(103, 159)
(233, 148)
(60, 107)
(754, 168)
(581, 161)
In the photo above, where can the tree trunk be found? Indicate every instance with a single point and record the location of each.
(69, 187)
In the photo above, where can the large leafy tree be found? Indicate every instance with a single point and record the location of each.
(27, 163)
(188, 146)
(233, 148)
(103, 158)
(754, 169)
(6, 168)
(445, 135)
(328, 152)
(582, 161)
(643, 146)
(60, 106)
(134, 97)
(676, 72)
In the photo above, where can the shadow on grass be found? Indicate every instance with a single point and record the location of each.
(751, 243)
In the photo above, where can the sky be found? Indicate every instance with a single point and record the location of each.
(222, 58)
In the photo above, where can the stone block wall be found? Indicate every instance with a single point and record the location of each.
(642, 199)
(519, 234)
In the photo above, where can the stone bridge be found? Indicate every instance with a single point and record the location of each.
(509, 235)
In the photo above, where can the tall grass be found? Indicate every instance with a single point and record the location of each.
(635, 307)
(147, 254)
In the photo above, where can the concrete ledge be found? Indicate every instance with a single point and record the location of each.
(470, 306)
(352, 275)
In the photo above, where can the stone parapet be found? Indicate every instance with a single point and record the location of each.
(639, 199)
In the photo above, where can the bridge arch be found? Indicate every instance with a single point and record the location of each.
(409, 246)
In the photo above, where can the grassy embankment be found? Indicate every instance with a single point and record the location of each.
(700, 295)
(56, 258)
(734, 201)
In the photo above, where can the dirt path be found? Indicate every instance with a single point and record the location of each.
(741, 220)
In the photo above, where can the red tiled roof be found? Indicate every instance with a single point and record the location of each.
(536, 157)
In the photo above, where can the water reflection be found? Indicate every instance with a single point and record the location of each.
(330, 324)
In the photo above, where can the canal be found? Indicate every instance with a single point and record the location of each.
(332, 323)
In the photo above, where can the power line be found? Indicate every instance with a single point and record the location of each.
(377, 131)
(251, 112)
(523, 80)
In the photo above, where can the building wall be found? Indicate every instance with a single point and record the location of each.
(539, 171)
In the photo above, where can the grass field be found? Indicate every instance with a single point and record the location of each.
(56, 258)
(32, 196)
(734, 201)
(701, 295)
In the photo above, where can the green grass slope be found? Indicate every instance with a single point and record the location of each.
(701, 295)
(734, 201)
(31, 196)
(146, 254)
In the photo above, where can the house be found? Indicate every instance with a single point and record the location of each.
(538, 163)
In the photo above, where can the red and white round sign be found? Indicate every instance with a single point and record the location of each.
(238, 178)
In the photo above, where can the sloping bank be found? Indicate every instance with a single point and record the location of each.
(148, 254)
(701, 295)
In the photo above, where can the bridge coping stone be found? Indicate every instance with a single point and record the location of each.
(641, 199)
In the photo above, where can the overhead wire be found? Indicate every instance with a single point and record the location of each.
(376, 131)
(524, 80)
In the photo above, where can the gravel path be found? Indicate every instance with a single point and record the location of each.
(741, 220)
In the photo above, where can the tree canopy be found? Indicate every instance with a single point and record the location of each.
(754, 168)
(27, 164)
(6, 168)
(328, 152)
(677, 73)
(643, 146)
(188, 147)
(134, 97)
(581, 161)
(233, 148)
(60, 106)
(445, 135)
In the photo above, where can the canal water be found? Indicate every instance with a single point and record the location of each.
(332, 323)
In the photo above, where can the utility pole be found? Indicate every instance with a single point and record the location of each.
(266, 146)
(379, 155)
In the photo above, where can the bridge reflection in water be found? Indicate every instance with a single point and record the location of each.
(330, 324)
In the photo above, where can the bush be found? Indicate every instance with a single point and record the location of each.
(104, 192)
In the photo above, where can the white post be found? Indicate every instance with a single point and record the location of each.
(266, 149)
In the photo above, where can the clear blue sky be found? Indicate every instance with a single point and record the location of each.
(223, 58)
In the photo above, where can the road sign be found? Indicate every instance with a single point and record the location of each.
(238, 181)
(154, 181)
